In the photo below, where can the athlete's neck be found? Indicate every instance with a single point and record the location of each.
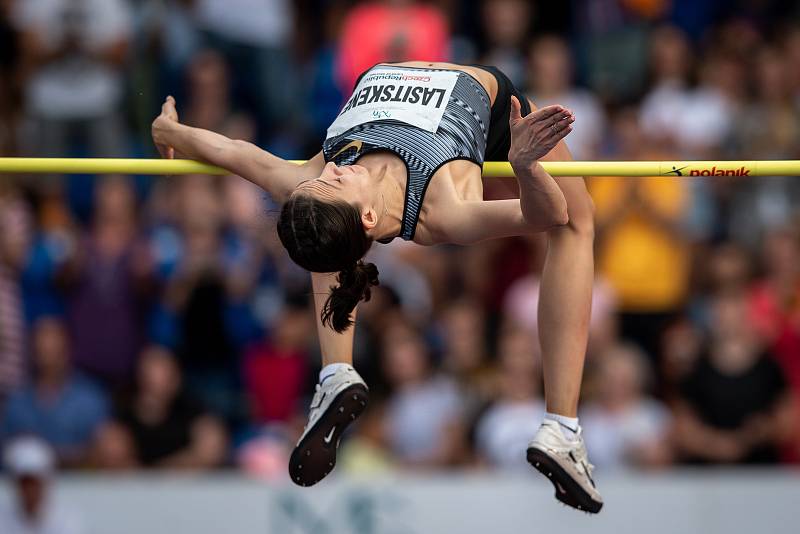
(390, 183)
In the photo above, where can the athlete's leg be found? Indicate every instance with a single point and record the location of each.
(335, 347)
(566, 295)
(565, 300)
(340, 398)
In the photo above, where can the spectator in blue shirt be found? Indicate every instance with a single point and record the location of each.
(58, 405)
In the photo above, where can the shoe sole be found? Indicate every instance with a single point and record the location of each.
(315, 456)
(567, 489)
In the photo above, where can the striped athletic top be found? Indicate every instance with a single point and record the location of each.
(417, 137)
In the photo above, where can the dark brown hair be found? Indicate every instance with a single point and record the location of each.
(326, 237)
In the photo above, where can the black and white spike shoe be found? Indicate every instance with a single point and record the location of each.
(567, 466)
(339, 400)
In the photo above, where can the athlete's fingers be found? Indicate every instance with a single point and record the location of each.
(553, 123)
(544, 113)
(516, 110)
(168, 108)
(166, 152)
(558, 135)
(162, 150)
(562, 123)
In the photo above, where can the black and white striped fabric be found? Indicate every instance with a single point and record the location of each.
(462, 134)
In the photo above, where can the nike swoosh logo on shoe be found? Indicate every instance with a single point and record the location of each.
(573, 430)
(327, 439)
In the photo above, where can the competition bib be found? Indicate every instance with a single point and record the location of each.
(416, 97)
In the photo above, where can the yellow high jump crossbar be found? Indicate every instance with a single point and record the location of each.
(493, 169)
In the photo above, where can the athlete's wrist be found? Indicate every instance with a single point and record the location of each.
(163, 128)
(525, 166)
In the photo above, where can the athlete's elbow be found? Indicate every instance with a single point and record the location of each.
(543, 221)
(562, 218)
(559, 217)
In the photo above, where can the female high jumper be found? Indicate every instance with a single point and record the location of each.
(403, 159)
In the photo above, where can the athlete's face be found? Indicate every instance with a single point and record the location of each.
(347, 182)
(350, 183)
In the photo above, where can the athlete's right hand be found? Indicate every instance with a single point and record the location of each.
(161, 127)
(534, 135)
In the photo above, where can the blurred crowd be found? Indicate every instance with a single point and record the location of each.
(152, 322)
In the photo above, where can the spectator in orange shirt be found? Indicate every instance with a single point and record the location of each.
(642, 248)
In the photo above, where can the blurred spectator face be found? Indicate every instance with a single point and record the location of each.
(727, 73)
(114, 197)
(208, 77)
(464, 330)
(622, 375)
(291, 331)
(244, 204)
(681, 346)
(772, 76)
(738, 36)
(201, 217)
(115, 214)
(670, 54)
(50, 348)
(506, 22)
(792, 49)
(551, 66)
(199, 200)
(209, 90)
(728, 316)
(15, 237)
(158, 375)
(518, 351)
(628, 135)
(202, 240)
(728, 268)
(520, 365)
(781, 254)
(735, 346)
(381, 309)
(405, 358)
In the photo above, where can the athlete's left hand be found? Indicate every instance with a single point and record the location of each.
(161, 127)
(534, 135)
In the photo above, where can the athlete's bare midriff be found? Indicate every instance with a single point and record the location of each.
(456, 181)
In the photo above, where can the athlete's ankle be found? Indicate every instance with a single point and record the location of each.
(568, 425)
(331, 369)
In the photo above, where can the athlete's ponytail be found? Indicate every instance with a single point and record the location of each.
(354, 285)
(327, 237)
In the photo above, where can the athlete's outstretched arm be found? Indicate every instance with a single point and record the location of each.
(275, 175)
(335, 347)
